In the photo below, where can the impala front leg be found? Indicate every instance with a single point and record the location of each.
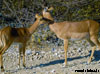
(20, 52)
(65, 49)
(1, 63)
(24, 45)
(93, 49)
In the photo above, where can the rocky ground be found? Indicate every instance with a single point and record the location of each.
(49, 59)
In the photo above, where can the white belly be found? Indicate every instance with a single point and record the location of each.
(78, 36)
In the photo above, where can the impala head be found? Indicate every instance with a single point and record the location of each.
(47, 13)
(40, 19)
(48, 9)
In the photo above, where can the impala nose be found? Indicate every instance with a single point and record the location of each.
(35, 19)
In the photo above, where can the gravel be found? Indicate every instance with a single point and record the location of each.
(49, 60)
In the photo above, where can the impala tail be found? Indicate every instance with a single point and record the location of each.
(4, 37)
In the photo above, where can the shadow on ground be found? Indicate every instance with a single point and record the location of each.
(96, 58)
(96, 55)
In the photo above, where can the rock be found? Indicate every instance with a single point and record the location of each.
(79, 50)
(37, 53)
(33, 53)
(53, 49)
(34, 72)
(28, 52)
(56, 54)
(43, 52)
(53, 70)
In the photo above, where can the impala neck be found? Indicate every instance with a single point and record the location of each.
(34, 26)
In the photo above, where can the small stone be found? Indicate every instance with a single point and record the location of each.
(56, 54)
(79, 50)
(42, 52)
(53, 49)
(28, 52)
(34, 72)
(33, 53)
(53, 71)
(37, 53)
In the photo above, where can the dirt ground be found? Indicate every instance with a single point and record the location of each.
(49, 59)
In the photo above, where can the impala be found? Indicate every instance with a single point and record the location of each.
(8, 35)
(74, 30)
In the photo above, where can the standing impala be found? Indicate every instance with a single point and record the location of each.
(9, 35)
(74, 30)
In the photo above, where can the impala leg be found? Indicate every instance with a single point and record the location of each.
(19, 56)
(65, 50)
(1, 53)
(93, 49)
(1, 63)
(20, 52)
(96, 42)
(24, 55)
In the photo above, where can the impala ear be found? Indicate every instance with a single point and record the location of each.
(50, 9)
(37, 15)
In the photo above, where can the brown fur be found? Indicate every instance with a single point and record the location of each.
(74, 30)
(9, 35)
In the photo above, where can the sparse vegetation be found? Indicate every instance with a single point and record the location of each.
(20, 13)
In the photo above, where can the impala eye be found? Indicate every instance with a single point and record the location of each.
(41, 19)
(51, 11)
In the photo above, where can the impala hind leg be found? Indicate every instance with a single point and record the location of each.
(1, 53)
(22, 51)
(65, 50)
(19, 56)
(93, 49)
(1, 63)
(96, 42)
(24, 56)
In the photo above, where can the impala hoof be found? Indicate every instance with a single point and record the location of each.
(19, 65)
(89, 62)
(24, 65)
(64, 65)
(2, 69)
